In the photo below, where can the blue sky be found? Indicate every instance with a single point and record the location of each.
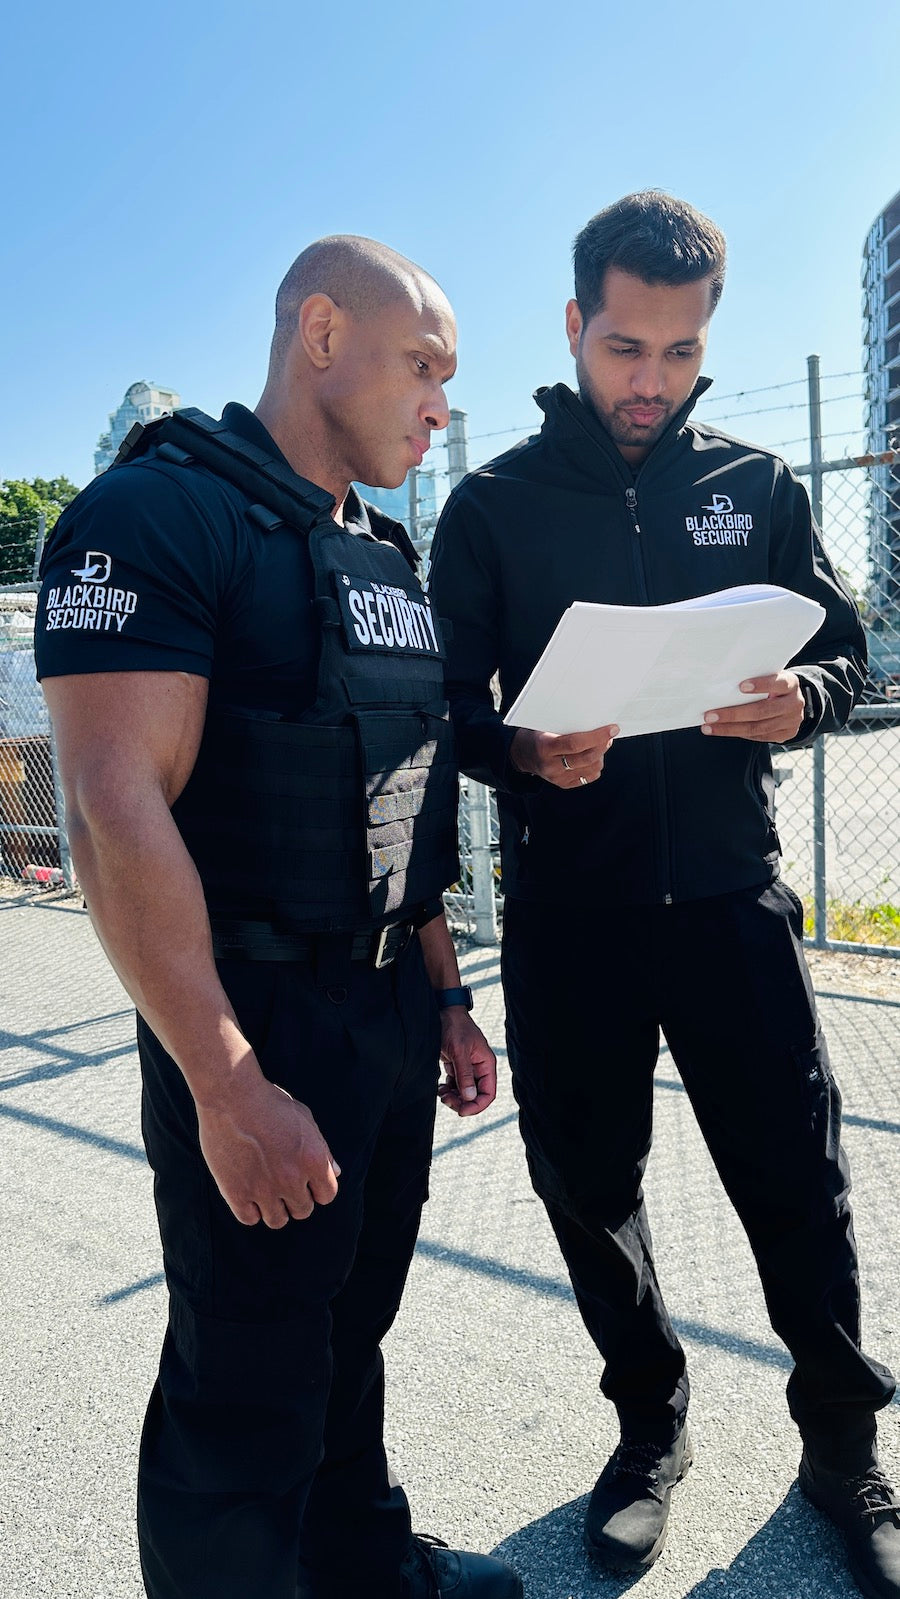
(164, 164)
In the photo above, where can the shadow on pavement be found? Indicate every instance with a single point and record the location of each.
(550, 1559)
(795, 1555)
(80, 1135)
(71, 904)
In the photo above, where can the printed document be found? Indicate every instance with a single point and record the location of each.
(651, 668)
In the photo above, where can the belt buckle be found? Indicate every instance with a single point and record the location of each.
(379, 959)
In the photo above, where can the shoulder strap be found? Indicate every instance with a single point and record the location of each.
(190, 435)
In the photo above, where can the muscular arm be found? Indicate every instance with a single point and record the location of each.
(127, 743)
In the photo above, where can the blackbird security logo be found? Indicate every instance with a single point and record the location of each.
(96, 569)
(92, 605)
(720, 523)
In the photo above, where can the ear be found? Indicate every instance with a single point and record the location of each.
(318, 321)
(574, 325)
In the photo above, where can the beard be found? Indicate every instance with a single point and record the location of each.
(616, 418)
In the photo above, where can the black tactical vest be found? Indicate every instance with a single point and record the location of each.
(345, 819)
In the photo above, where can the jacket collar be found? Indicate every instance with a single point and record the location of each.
(566, 414)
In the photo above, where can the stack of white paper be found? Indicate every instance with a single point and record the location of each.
(655, 667)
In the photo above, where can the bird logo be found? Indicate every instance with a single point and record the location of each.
(96, 569)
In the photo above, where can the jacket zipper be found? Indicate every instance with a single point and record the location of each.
(659, 764)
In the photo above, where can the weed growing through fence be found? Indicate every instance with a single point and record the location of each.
(853, 922)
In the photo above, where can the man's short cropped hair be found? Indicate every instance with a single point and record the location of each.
(654, 237)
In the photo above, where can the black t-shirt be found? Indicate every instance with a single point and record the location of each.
(155, 567)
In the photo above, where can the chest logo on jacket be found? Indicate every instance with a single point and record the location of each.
(720, 523)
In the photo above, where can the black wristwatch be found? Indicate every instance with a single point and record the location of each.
(453, 996)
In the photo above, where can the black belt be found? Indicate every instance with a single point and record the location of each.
(260, 941)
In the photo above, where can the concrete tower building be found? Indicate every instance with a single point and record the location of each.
(142, 402)
(881, 363)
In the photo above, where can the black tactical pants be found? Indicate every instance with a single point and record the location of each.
(262, 1450)
(588, 991)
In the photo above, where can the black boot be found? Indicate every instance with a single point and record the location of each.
(866, 1509)
(432, 1571)
(626, 1520)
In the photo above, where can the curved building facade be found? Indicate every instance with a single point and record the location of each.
(142, 402)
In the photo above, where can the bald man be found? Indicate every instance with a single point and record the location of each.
(246, 683)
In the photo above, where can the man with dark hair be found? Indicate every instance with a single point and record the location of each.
(653, 237)
(641, 875)
(246, 683)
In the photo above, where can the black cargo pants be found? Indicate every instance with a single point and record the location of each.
(262, 1449)
(588, 990)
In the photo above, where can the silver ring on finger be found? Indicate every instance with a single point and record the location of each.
(565, 762)
(583, 781)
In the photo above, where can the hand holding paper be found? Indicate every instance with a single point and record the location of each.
(568, 760)
(654, 668)
(774, 720)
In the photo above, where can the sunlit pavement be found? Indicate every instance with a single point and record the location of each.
(495, 1423)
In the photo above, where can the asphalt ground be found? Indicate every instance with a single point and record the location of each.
(495, 1423)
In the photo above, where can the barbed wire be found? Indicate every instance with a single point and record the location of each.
(713, 399)
(799, 405)
(842, 433)
(770, 388)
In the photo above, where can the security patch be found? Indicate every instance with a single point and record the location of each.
(386, 617)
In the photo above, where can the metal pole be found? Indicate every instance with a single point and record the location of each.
(39, 546)
(820, 910)
(484, 905)
(412, 481)
(457, 464)
(65, 855)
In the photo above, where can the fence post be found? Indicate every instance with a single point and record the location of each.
(39, 546)
(59, 799)
(484, 905)
(457, 447)
(820, 909)
(412, 484)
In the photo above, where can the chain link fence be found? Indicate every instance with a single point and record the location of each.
(838, 804)
(474, 904)
(33, 846)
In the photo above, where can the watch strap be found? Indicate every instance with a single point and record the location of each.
(454, 996)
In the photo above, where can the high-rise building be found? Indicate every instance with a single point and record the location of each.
(142, 402)
(881, 363)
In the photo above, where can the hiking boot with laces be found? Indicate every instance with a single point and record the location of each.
(626, 1521)
(866, 1509)
(432, 1571)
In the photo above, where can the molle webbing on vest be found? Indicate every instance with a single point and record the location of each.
(410, 778)
(273, 819)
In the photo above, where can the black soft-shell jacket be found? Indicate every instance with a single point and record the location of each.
(562, 517)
